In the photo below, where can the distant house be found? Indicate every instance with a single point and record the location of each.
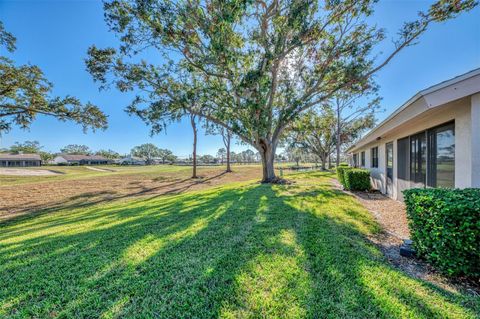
(132, 160)
(65, 159)
(432, 140)
(20, 160)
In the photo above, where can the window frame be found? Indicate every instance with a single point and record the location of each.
(432, 152)
(418, 163)
(430, 170)
(403, 158)
(355, 160)
(362, 159)
(374, 157)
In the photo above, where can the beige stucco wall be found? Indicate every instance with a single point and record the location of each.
(419, 117)
(475, 141)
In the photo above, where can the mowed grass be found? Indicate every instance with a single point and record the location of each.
(82, 172)
(243, 250)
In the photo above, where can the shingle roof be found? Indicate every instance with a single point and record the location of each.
(69, 157)
(24, 157)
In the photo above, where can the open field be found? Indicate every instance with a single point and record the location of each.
(82, 186)
(238, 250)
(83, 172)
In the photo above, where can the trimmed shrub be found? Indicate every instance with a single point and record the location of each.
(357, 179)
(445, 228)
(341, 174)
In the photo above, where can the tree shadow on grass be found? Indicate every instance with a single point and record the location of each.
(256, 251)
(87, 199)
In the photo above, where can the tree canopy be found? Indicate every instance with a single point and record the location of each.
(148, 151)
(252, 66)
(166, 155)
(31, 147)
(110, 154)
(315, 133)
(25, 93)
(76, 149)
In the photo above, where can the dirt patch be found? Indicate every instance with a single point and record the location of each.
(63, 194)
(27, 172)
(391, 216)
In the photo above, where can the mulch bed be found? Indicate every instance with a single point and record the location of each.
(391, 216)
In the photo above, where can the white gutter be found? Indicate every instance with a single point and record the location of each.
(420, 94)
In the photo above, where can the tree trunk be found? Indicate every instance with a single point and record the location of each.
(229, 169)
(194, 127)
(338, 136)
(329, 161)
(267, 152)
(324, 162)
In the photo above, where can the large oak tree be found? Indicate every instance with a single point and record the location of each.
(256, 65)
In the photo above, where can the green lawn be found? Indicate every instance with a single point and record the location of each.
(242, 250)
(80, 172)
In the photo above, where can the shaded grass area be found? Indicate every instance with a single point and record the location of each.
(242, 250)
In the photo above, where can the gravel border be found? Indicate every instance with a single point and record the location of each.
(391, 216)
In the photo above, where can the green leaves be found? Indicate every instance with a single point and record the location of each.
(7, 39)
(76, 149)
(341, 169)
(99, 63)
(150, 151)
(254, 66)
(25, 93)
(356, 179)
(28, 147)
(445, 228)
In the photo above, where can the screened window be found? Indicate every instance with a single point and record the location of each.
(374, 156)
(418, 158)
(441, 156)
(362, 159)
(389, 158)
(403, 159)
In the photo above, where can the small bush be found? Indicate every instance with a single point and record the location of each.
(341, 173)
(344, 164)
(357, 179)
(445, 228)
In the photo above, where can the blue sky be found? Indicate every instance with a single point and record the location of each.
(55, 36)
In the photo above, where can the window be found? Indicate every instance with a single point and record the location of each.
(418, 158)
(389, 159)
(441, 150)
(355, 160)
(362, 159)
(374, 156)
(403, 159)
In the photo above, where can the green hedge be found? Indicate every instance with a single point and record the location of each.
(445, 228)
(357, 179)
(341, 174)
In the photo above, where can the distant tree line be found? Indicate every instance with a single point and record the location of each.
(148, 151)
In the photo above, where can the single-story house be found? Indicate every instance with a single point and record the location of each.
(132, 160)
(19, 160)
(433, 140)
(66, 159)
